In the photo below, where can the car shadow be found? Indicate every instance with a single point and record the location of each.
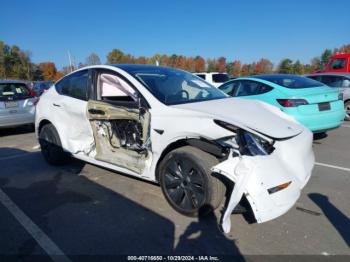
(320, 136)
(204, 237)
(337, 218)
(19, 130)
(90, 221)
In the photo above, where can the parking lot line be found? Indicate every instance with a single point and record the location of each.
(40, 237)
(332, 166)
(345, 125)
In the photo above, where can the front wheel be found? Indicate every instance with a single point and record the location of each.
(51, 147)
(347, 110)
(187, 183)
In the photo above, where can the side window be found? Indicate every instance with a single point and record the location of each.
(201, 76)
(75, 85)
(113, 88)
(332, 81)
(338, 63)
(346, 82)
(228, 88)
(251, 88)
(317, 78)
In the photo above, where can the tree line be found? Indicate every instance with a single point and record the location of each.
(16, 64)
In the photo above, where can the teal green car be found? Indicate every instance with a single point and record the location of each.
(313, 104)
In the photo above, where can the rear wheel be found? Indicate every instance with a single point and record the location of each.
(347, 110)
(51, 147)
(187, 183)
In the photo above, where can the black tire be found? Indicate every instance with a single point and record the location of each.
(187, 181)
(347, 110)
(51, 147)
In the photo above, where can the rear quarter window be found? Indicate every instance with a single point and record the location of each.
(228, 88)
(251, 88)
(74, 85)
(201, 76)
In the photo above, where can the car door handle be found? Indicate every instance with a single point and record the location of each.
(96, 112)
(56, 105)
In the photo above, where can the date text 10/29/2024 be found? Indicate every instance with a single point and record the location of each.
(173, 258)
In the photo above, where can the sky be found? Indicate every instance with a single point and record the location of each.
(245, 30)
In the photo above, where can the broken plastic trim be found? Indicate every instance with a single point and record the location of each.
(209, 146)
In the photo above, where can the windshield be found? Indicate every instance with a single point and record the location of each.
(172, 86)
(290, 81)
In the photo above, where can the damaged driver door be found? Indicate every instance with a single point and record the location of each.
(120, 121)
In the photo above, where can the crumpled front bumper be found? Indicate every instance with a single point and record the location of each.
(291, 161)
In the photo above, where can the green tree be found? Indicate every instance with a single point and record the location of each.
(2, 59)
(298, 68)
(315, 64)
(325, 57)
(212, 65)
(116, 56)
(285, 66)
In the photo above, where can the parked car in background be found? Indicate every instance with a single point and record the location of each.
(17, 104)
(338, 63)
(170, 126)
(40, 87)
(310, 102)
(214, 78)
(340, 81)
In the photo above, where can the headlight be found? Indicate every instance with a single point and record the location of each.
(252, 145)
(249, 144)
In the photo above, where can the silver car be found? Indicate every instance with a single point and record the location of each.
(17, 104)
(337, 80)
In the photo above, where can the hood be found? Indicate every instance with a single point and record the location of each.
(256, 115)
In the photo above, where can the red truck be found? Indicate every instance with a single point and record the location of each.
(339, 63)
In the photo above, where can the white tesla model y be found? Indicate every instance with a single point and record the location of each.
(169, 126)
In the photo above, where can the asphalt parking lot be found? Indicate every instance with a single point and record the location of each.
(81, 209)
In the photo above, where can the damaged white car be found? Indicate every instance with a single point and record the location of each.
(169, 126)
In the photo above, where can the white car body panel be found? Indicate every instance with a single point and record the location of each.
(243, 112)
(292, 159)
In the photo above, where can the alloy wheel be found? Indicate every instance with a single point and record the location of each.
(184, 184)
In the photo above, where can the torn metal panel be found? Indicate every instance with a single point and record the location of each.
(121, 135)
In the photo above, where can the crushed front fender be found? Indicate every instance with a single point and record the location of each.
(257, 177)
